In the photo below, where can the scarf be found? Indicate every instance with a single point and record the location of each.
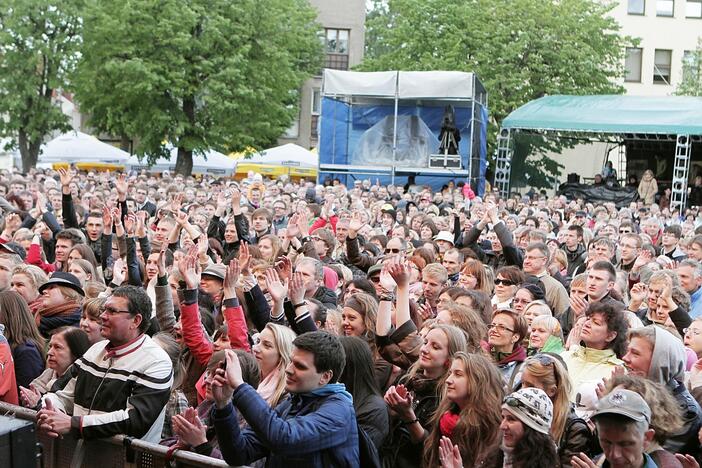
(35, 305)
(448, 422)
(266, 389)
(518, 354)
(67, 308)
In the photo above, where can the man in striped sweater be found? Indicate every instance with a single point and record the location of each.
(122, 384)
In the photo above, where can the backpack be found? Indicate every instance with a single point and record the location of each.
(367, 451)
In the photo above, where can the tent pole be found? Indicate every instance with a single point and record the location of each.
(394, 127)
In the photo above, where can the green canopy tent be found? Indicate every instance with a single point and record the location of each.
(607, 118)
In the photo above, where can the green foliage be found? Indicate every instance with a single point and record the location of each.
(198, 74)
(39, 41)
(691, 83)
(520, 49)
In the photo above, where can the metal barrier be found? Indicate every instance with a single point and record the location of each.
(115, 452)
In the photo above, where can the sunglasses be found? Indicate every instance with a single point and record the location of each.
(394, 251)
(516, 403)
(375, 279)
(505, 282)
(543, 359)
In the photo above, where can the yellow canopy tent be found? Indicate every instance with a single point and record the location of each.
(290, 159)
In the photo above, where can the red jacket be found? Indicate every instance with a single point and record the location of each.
(34, 258)
(8, 382)
(321, 222)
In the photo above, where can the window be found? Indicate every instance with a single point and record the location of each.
(316, 101)
(665, 7)
(693, 9)
(661, 66)
(691, 69)
(314, 127)
(336, 46)
(637, 7)
(633, 64)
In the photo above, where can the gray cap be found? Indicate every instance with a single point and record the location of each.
(217, 270)
(624, 403)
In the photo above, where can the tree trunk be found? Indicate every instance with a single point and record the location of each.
(29, 150)
(125, 144)
(184, 163)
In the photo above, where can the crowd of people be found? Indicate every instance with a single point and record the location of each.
(272, 323)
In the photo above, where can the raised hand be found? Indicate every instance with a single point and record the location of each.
(639, 293)
(130, 222)
(293, 228)
(12, 222)
(222, 202)
(276, 288)
(303, 223)
(117, 216)
(296, 288)
(236, 197)
(400, 273)
(141, 223)
(162, 259)
(189, 269)
(386, 280)
(244, 258)
(202, 245)
(642, 260)
(176, 202)
(284, 269)
(356, 223)
(579, 305)
(231, 278)
(181, 218)
(66, 176)
(119, 271)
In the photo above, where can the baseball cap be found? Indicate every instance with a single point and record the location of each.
(624, 403)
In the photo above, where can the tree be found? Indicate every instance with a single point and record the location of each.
(39, 42)
(520, 49)
(197, 74)
(691, 82)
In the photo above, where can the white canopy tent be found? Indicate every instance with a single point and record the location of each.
(286, 155)
(289, 159)
(77, 147)
(212, 162)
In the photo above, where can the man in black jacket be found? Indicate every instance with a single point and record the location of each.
(503, 252)
(573, 247)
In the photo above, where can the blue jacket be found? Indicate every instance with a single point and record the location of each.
(304, 430)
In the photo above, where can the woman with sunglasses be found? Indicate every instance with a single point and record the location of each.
(469, 413)
(507, 281)
(571, 433)
(505, 335)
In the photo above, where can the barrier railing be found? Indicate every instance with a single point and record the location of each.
(117, 451)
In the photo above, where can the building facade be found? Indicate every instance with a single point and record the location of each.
(668, 31)
(343, 23)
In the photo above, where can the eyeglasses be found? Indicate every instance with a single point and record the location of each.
(692, 331)
(499, 281)
(540, 257)
(624, 231)
(375, 279)
(111, 311)
(500, 328)
(394, 251)
(517, 300)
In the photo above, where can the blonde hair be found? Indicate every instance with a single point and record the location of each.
(551, 323)
(553, 375)
(35, 274)
(456, 342)
(283, 337)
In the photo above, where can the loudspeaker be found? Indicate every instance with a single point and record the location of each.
(18, 443)
(573, 178)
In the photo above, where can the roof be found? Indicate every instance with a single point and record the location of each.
(681, 115)
(409, 85)
(75, 147)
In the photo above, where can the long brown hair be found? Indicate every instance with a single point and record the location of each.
(553, 375)
(478, 428)
(20, 326)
